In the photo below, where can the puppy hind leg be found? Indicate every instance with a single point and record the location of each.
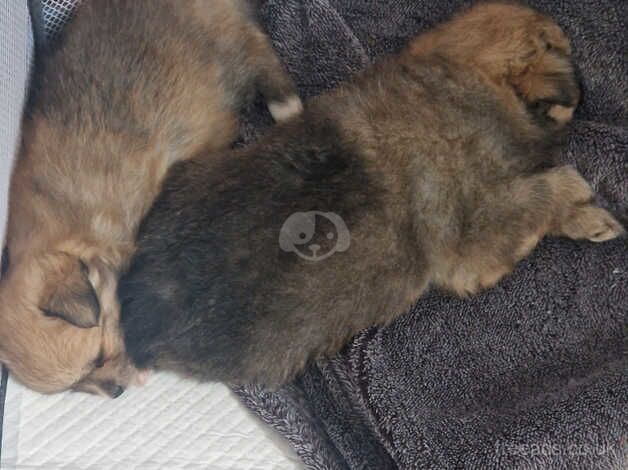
(503, 227)
(513, 217)
(500, 232)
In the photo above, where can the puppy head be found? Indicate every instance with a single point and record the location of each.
(59, 326)
(517, 48)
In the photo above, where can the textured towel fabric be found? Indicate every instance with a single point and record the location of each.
(531, 374)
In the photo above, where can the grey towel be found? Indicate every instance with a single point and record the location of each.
(531, 374)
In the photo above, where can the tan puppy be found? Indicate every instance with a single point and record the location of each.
(131, 89)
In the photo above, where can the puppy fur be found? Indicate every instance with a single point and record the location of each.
(440, 162)
(130, 89)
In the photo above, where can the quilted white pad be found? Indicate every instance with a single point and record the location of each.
(168, 424)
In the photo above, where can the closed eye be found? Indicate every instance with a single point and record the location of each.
(99, 361)
(5, 261)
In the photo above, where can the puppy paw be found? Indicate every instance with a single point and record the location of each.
(141, 378)
(465, 282)
(285, 110)
(561, 114)
(592, 223)
(550, 111)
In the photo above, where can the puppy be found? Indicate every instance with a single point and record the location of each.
(131, 89)
(432, 167)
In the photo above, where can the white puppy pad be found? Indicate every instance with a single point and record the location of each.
(170, 424)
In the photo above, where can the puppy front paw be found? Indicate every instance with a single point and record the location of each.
(471, 279)
(592, 223)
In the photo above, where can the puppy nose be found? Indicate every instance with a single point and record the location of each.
(117, 391)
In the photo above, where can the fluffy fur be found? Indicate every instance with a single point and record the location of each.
(130, 89)
(440, 162)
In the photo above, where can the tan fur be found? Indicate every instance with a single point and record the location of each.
(514, 61)
(113, 112)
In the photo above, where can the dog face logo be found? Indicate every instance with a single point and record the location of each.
(314, 235)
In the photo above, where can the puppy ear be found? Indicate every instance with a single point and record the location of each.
(73, 298)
